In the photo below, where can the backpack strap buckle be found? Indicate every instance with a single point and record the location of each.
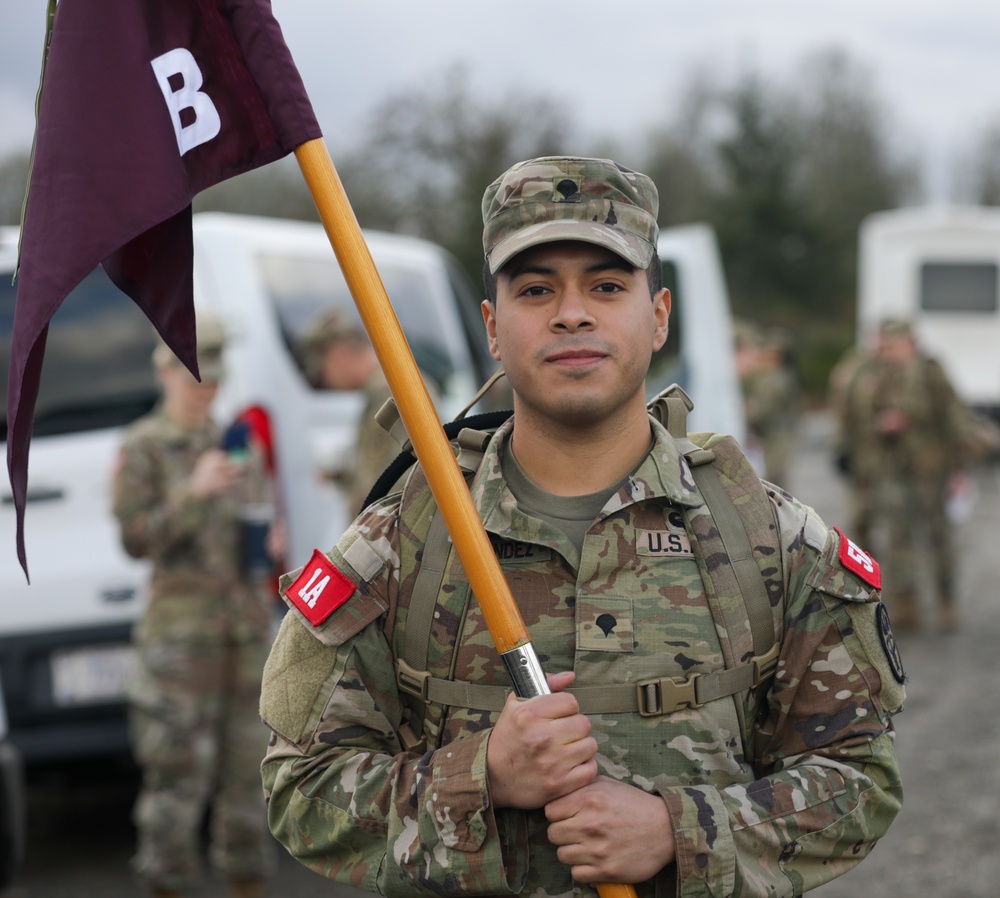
(412, 681)
(666, 695)
(410, 740)
(764, 665)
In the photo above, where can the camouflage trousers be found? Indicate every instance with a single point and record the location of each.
(904, 521)
(199, 740)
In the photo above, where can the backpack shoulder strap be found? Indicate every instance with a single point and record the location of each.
(412, 675)
(738, 547)
(737, 509)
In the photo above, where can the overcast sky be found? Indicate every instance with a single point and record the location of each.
(935, 63)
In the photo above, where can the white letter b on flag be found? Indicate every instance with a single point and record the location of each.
(206, 122)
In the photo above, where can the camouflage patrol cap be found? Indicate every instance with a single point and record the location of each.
(211, 337)
(747, 334)
(331, 327)
(896, 327)
(556, 198)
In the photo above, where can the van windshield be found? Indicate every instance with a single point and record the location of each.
(98, 369)
(304, 289)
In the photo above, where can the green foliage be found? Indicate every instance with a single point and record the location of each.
(786, 174)
(764, 231)
(980, 175)
(819, 349)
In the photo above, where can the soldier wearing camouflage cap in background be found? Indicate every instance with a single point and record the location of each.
(771, 398)
(905, 432)
(203, 638)
(336, 354)
(597, 522)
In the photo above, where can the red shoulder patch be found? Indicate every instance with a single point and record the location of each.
(320, 589)
(858, 561)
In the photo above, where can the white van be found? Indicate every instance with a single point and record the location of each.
(699, 354)
(938, 266)
(64, 640)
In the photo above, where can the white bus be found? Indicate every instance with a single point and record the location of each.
(939, 267)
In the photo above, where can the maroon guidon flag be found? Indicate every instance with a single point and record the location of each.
(144, 103)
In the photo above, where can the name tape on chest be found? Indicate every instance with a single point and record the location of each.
(320, 589)
(858, 561)
(509, 552)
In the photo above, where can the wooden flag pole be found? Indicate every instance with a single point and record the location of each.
(430, 445)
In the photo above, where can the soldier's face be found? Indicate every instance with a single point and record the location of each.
(347, 365)
(574, 327)
(189, 400)
(897, 348)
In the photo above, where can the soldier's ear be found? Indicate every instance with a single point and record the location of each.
(490, 320)
(661, 317)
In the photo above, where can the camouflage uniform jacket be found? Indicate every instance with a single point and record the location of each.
(348, 801)
(771, 402)
(197, 592)
(933, 441)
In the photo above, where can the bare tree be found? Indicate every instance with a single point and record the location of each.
(846, 167)
(429, 153)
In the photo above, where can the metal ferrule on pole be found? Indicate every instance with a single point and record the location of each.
(525, 671)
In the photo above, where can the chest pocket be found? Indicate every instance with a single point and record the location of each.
(604, 625)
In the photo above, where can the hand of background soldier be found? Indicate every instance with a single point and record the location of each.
(609, 831)
(891, 422)
(214, 473)
(540, 748)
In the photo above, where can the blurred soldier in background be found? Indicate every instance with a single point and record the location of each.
(902, 437)
(841, 376)
(337, 355)
(773, 396)
(204, 637)
(771, 399)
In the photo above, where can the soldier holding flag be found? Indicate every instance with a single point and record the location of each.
(409, 781)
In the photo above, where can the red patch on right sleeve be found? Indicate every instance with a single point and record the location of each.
(320, 589)
(858, 561)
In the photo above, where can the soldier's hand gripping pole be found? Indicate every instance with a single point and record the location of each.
(500, 612)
